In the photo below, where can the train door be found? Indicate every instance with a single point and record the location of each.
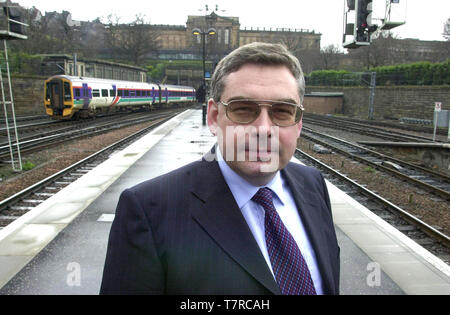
(55, 88)
(85, 96)
(154, 95)
(159, 94)
(166, 92)
(113, 97)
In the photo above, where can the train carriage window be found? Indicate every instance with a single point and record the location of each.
(77, 93)
(138, 93)
(67, 92)
(126, 93)
(120, 92)
(96, 93)
(112, 93)
(104, 93)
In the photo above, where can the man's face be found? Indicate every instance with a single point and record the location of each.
(256, 151)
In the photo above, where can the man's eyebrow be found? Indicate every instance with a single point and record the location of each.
(286, 100)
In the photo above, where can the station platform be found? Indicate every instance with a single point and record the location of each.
(60, 246)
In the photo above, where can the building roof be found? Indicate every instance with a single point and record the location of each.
(70, 57)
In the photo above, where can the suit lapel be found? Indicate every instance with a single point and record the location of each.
(312, 221)
(221, 218)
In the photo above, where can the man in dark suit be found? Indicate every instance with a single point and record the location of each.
(244, 219)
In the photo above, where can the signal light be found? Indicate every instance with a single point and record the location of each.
(364, 20)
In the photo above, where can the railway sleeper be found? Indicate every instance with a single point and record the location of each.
(44, 194)
(32, 201)
(20, 208)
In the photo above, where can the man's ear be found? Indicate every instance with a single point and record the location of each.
(299, 127)
(213, 113)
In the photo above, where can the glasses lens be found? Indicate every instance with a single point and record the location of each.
(284, 114)
(242, 111)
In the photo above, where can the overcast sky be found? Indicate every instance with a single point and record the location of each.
(424, 19)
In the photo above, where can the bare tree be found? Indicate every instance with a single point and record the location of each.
(446, 33)
(132, 41)
(329, 57)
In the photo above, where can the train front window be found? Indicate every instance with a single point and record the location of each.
(67, 94)
(47, 92)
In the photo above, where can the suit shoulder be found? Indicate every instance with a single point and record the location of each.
(303, 169)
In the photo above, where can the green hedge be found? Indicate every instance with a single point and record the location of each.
(419, 73)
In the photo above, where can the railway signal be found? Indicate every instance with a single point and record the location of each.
(358, 21)
(364, 26)
(11, 28)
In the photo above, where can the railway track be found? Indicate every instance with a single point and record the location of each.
(426, 129)
(361, 128)
(46, 138)
(17, 205)
(433, 182)
(422, 233)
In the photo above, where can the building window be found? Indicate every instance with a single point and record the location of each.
(227, 37)
(219, 35)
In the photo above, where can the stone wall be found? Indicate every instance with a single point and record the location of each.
(28, 94)
(391, 102)
(319, 104)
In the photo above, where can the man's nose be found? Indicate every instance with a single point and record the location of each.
(264, 119)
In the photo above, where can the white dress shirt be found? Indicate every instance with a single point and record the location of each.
(286, 208)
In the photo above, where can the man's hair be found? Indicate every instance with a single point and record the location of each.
(256, 53)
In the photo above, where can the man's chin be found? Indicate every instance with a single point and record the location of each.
(255, 169)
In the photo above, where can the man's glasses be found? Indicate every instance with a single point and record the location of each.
(245, 111)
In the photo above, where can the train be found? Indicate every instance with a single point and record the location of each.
(71, 97)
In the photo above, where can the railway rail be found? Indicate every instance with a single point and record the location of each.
(70, 130)
(17, 205)
(426, 129)
(361, 128)
(429, 180)
(432, 239)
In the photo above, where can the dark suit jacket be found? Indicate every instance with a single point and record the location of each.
(183, 233)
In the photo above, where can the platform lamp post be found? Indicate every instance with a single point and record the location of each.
(197, 31)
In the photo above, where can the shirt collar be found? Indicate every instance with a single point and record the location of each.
(242, 190)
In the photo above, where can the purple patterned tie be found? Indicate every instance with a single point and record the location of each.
(289, 266)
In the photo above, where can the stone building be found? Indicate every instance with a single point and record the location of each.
(65, 64)
(178, 42)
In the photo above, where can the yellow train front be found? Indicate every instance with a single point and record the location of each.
(68, 97)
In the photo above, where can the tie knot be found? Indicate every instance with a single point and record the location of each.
(264, 197)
